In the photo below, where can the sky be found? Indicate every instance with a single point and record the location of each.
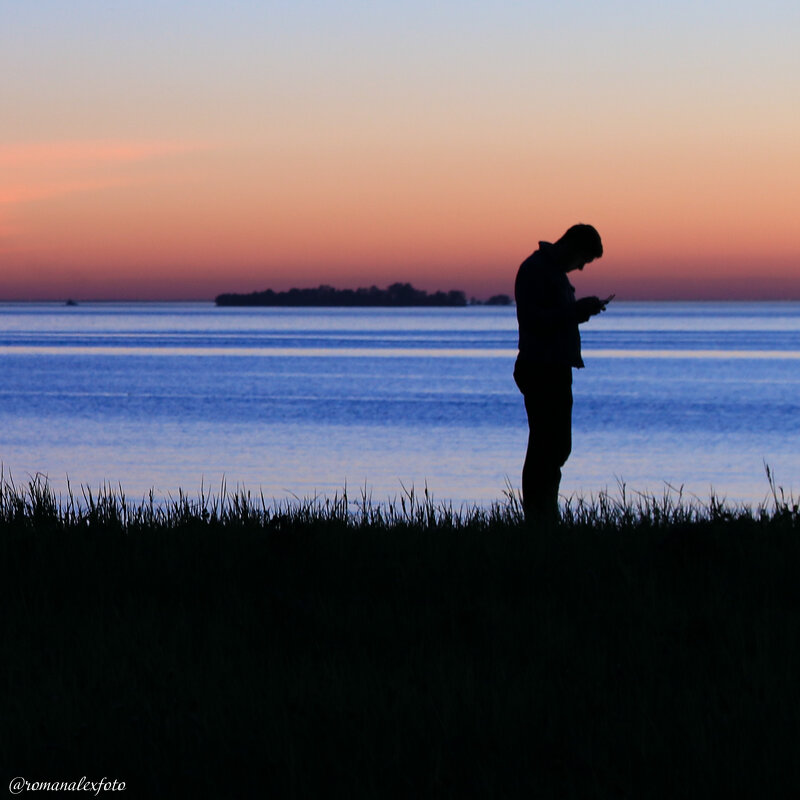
(175, 150)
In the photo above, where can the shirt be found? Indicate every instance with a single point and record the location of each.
(546, 311)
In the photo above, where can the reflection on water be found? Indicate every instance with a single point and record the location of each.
(368, 352)
(264, 352)
(298, 401)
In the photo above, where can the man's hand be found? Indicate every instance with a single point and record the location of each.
(588, 307)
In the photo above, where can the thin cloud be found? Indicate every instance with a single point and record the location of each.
(72, 153)
(43, 170)
(17, 194)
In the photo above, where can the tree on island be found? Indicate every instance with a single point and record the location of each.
(499, 300)
(398, 294)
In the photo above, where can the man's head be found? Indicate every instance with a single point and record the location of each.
(578, 246)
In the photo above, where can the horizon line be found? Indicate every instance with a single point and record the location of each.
(68, 301)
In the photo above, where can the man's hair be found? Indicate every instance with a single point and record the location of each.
(583, 240)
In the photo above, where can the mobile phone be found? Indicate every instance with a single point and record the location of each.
(608, 299)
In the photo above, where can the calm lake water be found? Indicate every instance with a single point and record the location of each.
(304, 401)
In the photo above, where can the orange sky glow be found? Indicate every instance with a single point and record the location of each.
(360, 159)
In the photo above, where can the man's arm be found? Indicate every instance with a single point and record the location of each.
(540, 307)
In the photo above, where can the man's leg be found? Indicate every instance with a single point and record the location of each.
(548, 403)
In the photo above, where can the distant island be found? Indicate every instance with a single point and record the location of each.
(398, 294)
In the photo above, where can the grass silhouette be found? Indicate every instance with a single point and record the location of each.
(645, 647)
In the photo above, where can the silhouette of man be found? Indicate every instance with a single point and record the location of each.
(549, 347)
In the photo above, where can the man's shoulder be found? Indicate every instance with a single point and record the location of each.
(542, 258)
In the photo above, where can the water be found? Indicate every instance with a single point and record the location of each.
(297, 402)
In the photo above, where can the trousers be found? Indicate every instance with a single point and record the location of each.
(547, 390)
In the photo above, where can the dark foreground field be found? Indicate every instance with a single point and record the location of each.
(641, 649)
